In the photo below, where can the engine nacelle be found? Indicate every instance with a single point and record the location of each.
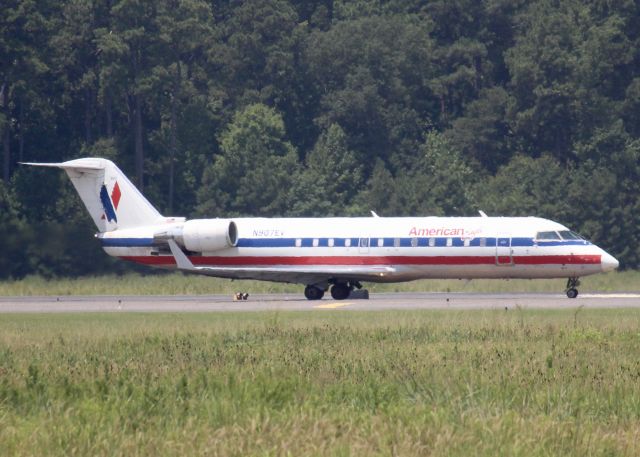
(205, 235)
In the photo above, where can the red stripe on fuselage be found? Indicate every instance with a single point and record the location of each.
(369, 260)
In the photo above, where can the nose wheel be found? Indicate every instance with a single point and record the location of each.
(571, 290)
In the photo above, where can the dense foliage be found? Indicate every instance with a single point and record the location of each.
(298, 107)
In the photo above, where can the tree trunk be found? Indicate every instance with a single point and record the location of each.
(172, 154)
(107, 107)
(6, 135)
(21, 132)
(87, 115)
(139, 152)
(175, 96)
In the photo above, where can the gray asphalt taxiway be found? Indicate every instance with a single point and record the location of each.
(294, 302)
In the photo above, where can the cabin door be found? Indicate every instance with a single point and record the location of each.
(363, 245)
(504, 251)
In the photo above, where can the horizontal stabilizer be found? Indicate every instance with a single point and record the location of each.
(66, 165)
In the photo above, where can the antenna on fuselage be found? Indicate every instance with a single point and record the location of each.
(482, 213)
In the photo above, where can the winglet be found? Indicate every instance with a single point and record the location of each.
(182, 261)
(482, 213)
(374, 214)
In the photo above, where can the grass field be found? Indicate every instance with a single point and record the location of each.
(178, 283)
(485, 383)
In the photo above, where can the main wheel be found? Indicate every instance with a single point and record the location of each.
(572, 293)
(313, 292)
(340, 291)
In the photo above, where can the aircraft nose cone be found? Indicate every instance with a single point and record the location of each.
(608, 262)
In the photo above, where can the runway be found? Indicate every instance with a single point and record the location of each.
(294, 302)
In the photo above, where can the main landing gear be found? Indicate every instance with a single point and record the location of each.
(339, 290)
(572, 284)
(313, 292)
(342, 290)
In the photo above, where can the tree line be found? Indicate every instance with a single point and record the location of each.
(320, 108)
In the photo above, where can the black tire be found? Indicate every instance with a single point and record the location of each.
(340, 291)
(313, 293)
(572, 293)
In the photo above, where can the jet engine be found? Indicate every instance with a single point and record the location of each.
(203, 235)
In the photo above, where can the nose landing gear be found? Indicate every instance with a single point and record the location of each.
(571, 290)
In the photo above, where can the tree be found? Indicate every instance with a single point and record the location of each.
(22, 49)
(254, 58)
(371, 76)
(380, 193)
(75, 62)
(444, 179)
(16, 235)
(331, 179)
(184, 27)
(405, 107)
(483, 133)
(126, 49)
(441, 183)
(527, 186)
(254, 173)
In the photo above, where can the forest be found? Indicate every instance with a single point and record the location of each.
(227, 108)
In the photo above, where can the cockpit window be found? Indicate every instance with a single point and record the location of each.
(569, 235)
(546, 236)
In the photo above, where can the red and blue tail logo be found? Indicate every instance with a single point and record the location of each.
(110, 202)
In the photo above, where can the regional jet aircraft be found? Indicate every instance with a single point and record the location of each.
(323, 253)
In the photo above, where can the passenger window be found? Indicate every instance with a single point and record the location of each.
(414, 242)
(316, 242)
(396, 242)
(432, 242)
(449, 242)
(330, 242)
(547, 236)
(467, 242)
(483, 242)
(298, 242)
(364, 242)
(380, 242)
(347, 242)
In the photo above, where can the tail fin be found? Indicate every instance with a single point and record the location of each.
(111, 199)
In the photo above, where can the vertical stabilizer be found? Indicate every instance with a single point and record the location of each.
(111, 199)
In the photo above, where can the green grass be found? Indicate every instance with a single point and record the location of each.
(178, 283)
(485, 383)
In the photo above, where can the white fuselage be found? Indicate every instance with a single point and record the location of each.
(310, 250)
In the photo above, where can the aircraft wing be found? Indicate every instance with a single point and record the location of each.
(309, 274)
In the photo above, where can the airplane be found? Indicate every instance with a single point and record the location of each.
(333, 252)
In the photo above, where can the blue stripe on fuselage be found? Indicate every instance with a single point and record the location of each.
(405, 242)
(354, 242)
